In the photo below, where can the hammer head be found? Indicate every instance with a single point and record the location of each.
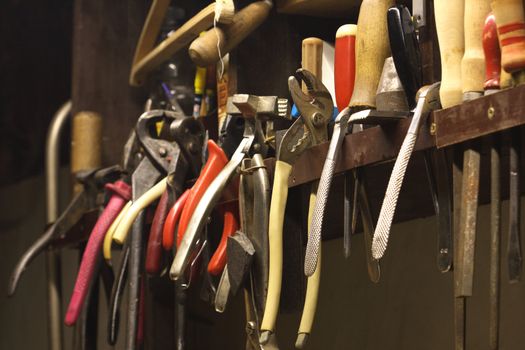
(262, 107)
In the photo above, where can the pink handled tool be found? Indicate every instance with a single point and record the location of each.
(121, 195)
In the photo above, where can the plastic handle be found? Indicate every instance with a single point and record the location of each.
(217, 160)
(154, 250)
(492, 53)
(312, 286)
(168, 232)
(277, 208)
(231, 224)
(344, 64)
(449, 27)
(134, 210)
(121, 194)
(405, 51)
(511, 30)
(371, 51)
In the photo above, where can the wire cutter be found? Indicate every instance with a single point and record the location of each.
(253, 141)
(316, 110)
(85, 201)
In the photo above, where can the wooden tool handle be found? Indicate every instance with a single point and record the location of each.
(372, 48)
(86, 141)
(449, 26)
(511, 30)
(203, 50)
(312, 57)
(492, 53)
(473, 62)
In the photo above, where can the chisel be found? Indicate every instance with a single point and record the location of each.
(492, 72)
(449, 28)
(510, 22)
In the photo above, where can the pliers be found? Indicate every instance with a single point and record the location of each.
(173, 154)
(253, 141)
(316, 110)
(87, 200)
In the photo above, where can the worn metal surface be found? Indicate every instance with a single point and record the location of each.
(479, 117)
(495, 233)
(514, 258)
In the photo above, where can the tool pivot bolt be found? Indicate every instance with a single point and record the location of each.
(163, 152)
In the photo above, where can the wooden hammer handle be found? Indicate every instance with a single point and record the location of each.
(204, 51)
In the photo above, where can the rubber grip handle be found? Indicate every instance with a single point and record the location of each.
(511, 30)
(405, 51)
(153, 249)
(344, 64)
(449, 27)
(372, 49)
(121, 194)
(492, 53)
(217, 160)
(473, 62)
(231, 224)
(168, 232)
(275, 237)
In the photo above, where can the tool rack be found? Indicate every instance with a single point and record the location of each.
(373, 149)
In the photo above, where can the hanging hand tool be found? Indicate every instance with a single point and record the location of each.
(428, 101)
(510, 21)
(53, 263)
(253, 140)
(472, 79)
(85, 201)
(208, 48)
(309, 129)
(148, 56)
(231, 135)
(157, 156)
(449, 16)
(407, 59)
(370, 57)
(267, 109)
(121, 193)
(254, 205)
(492, 72)
(344, 78)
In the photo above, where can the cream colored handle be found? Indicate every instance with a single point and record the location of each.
(449, 26)
(204, 51)
(473, 62)
(372, 48)
(510, 20)
(147, 60)
(108, 238)
(312, 56)
(275, 237)
(140, 204)
(312, 286)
